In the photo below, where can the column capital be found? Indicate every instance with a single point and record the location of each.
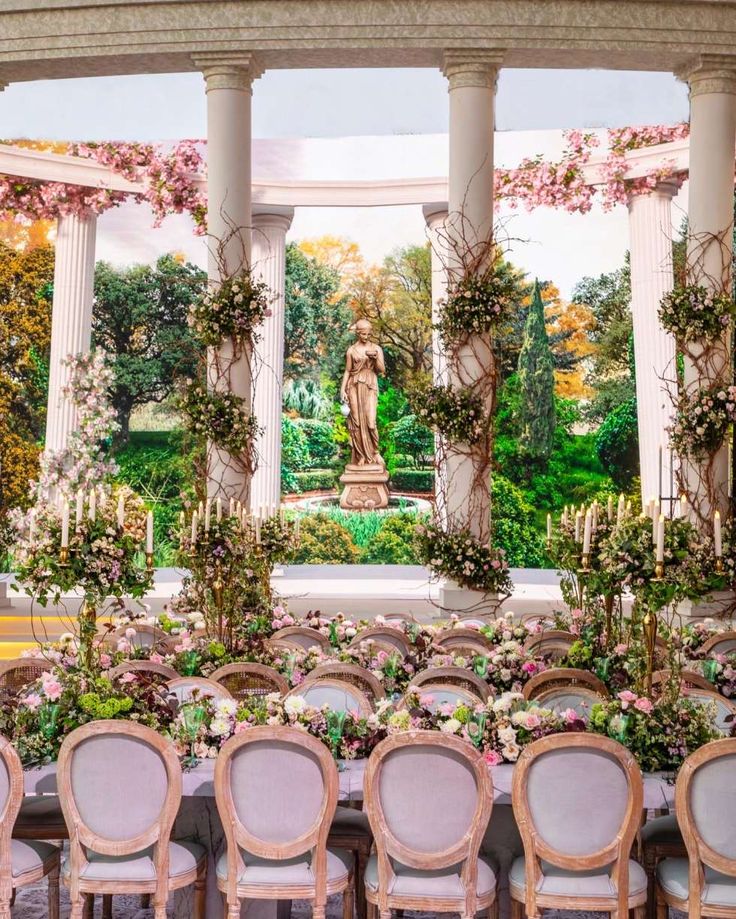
(471, 67)
(230, 70)
(710, 73)
(665, 188)
(435, 214)
(274, 216)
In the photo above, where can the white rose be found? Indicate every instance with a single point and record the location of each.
(507, 735)
(295, 705)
(226, 707)
(451, 726)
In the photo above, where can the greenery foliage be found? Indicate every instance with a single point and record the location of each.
(617, 444)
(413, 480)
(394, 543)
(537, 384)
(514, 525)
(323, 541)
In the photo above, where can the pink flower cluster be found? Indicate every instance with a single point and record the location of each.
(640, 703)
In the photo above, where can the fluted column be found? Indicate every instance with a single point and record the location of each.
(228, 82)
(269, 263)
(71, 318)
(472, 77)
(712, 81)
(650, 241)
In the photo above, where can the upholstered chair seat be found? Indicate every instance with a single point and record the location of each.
(29, 855)
(40, 814)
(718, 889)
(348, 822)
(597, 882)
(291, 872)
(184, 857)
(662, 831)
(442, 883)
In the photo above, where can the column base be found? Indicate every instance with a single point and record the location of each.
(466, 602)
(721, 604)
(366, 487)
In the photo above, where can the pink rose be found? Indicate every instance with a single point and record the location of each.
(627, 698)
(105, 661)
(644, 705)
(492, 758)
(32, 701)
(50, 687)
(156, 658)
(128, 677)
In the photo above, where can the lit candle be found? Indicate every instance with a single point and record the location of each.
(587, 532)
(683, 507)
(621, 510)
(628, 508)
(578, 520)
(610, 507)
(149, 532)
(655, 529)
(195, 523)
(232, 506)
(200, 510)
(594, 515)
(219, 508)
(549, 526)
(80, 506)
(717, 537)
(207, 513)
(65, 525)
(660, 538)
(92, 510)
(564, 517)
(257, 522)
(121, 512)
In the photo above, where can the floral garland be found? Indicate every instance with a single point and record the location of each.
(220, 417)
(455, 412)
(476, 305)
(694, 313)
(460, 557)
(232, 310)
(703, 420)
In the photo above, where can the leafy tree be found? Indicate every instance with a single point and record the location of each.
(412, 438)
(513, 525)
(537, 385)
(320, 441)
(140, 318)
(617, 444)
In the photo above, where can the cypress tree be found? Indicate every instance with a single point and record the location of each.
(537, 384)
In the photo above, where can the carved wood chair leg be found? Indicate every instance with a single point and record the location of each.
(386, 913)
(12, 897)
(348, 899)
(361, 860)
(5, 909)
(107, 906)
(232, 910)
(78, 907)
(54, 893)
(662, 910)
(159, 911)
(318, 911)
(89, 906)
(517, 909)
(493, 909)
(200, 896)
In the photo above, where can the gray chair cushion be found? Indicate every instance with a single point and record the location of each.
(718, 890)
(183, 858)
(594, 883)
(288, 871)
(350, 822)
(662, 830)
(442, 882)
(40, 811)
(27, 855)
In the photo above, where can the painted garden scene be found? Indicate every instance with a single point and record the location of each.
(367, 403)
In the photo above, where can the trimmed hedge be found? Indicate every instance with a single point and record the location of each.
(416, 480)
(310, 480)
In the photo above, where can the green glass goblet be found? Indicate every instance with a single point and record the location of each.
(480, 665)
(710, 669)
(193, 716)
(335, 730)
(477, 728)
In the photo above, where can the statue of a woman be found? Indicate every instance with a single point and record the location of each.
(359, 390)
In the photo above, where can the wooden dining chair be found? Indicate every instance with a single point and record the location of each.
(538, 622)
(449, 639)
(553, 644)
(186, 687)
(577, 799)
(276, 791)
(357, 676)
(438, 694)
(725, 709)
(147, 670)
(336, 694)
(299, 637)
(22, 861)
(451, 676)
(721, 643)
(391, 639)
(18, 673)
(146, 636)
(120, 788)
(704, 883)
(688, 679)
(429, 798)
(562, 688)
(244, 681)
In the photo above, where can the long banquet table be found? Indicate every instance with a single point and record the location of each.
(198, 819)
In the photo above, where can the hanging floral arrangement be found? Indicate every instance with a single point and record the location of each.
(234, 309)
(693, 313)
(702, 421)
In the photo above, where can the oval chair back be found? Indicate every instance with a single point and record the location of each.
(449, 639)
(146, 636)
(390, 638)
(17, 673)
(725, 709)
(243, 681)
(357, 676)
(300, 638)
(577, 799)
(276, 791)
(429, 798)
(553, 645)
(451, 676)
(185, 688)
(722, 643)
(158, 673)
(538, 622)
(438, 694)
(336, 694)
(96, 761)
(688, 679)
(562, 688)
(706, 813)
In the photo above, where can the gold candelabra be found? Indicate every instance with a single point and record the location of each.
(149, 562)
(719, 565)
(64, 556)
(658, 570)
(585, 563)
(650, 640)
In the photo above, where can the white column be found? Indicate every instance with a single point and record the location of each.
(650, 241)
(71, 318)
(472, 79)
(228, 80)
(710, 226)
(269, 263)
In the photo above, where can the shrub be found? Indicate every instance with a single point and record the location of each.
(306, 399)
(324, 542)
(513, 526)
(295, 483)
(617, 444)
(415, 480)
(294, 449)
(18, 468)
(394, 543)
(362, 525)
(413, 438)
(320, 440)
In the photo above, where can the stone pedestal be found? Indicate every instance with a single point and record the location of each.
(365, 487)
